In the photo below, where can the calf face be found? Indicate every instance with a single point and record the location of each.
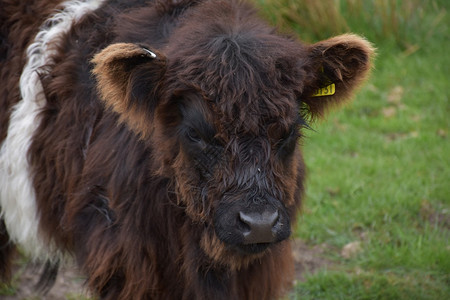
(226, 106)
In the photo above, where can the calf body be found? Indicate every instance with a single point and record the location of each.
(157, 142)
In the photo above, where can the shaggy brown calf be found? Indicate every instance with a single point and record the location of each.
(156, 141)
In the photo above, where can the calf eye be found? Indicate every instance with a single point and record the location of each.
(193, 135)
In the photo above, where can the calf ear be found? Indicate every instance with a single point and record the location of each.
(128, 76)
(334, 69)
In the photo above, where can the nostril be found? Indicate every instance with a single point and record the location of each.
(244, 223)
(274, 218)
(246, 219)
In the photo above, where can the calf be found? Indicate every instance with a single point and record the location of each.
(157, 141)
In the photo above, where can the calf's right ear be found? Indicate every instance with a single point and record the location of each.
(128, 76)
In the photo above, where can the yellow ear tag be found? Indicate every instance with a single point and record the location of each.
(325, 91)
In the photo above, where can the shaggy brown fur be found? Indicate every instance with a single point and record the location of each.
(144, 164)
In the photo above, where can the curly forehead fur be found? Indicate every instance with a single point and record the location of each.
(238, 64)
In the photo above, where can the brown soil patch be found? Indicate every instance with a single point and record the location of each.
(309, 258)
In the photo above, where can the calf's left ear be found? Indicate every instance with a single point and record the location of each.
(334, 69)
(128, 76)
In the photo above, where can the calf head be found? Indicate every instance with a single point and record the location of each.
(226, 110)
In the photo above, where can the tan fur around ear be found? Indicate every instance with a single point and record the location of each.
(344, 60)
(113, 69)
(354, 47)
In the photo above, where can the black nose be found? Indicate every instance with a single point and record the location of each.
(260, 227)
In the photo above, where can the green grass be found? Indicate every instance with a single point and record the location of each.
(379, 169)
(358, 285)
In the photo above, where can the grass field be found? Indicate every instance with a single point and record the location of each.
(378, 192)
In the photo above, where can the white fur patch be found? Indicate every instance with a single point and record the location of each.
(17, 194)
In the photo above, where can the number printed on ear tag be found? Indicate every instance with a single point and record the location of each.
(325, 91)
